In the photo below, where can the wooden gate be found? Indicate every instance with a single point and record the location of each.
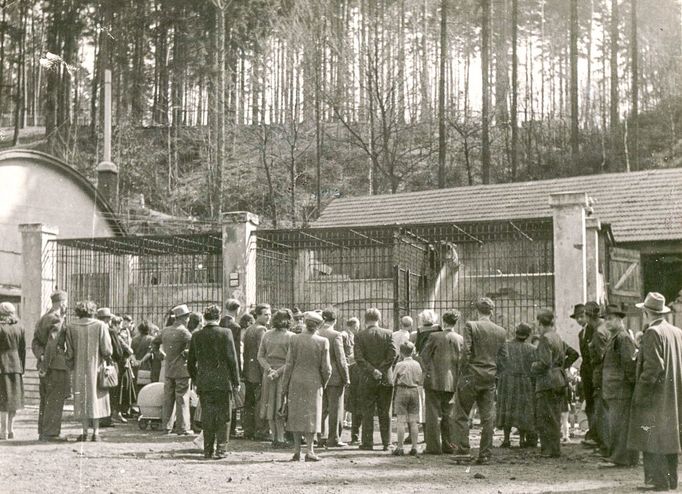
(625, 282)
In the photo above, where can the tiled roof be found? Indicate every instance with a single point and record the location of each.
(640, 206)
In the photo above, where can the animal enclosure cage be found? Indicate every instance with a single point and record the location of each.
(141, 276)
(403, 270)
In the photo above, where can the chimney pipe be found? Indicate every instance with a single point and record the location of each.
(107, 171)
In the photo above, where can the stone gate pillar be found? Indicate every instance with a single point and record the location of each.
(570, 260)
(239, 257)
(38, 276)
(595, 281)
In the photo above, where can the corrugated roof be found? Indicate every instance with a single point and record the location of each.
(640, 206)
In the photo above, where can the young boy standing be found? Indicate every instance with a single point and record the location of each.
(406, 377)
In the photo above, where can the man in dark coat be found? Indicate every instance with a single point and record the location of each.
(48, 348)
(374, 355)
(597, 349)
(441, 360)
(229, 321)
(212, 365)
(254, 427)
(483, 342)
(550, 384)
(656, 413)
(580, 314)
(618, 382)
(332, 399)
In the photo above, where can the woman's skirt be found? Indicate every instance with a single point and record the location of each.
(271, 398)
(11, 392)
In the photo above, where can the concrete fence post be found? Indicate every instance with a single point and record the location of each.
(239, 257)
(570, 259)
(38, 275)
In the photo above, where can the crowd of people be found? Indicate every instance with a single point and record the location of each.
(301, 378)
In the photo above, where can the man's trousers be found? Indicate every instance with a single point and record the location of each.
(484, 398)
(379, 396)
(176, 395)
(251, 422)
(548, 405)
(52, 396)
(439, 421)
(619, 421)
(332, 407)
(661, 470)
(215, 420)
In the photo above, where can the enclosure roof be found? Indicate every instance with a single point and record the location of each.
(640, 206)
(187, 244)
(74, 175)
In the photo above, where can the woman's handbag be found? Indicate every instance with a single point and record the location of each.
(107, 376)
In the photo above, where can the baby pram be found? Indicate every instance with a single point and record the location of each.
(150, 403)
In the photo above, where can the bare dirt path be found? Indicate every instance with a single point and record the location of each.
(132, 461)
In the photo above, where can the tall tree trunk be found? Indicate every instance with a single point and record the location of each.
(485, 91)
(424, 48)
(19, 96)
(3, 24)
(441, 93)
(614, 106)
(500, 35)
(587, 109)
(515, 91)
(220, 104)
(575, 143)
(634, 69)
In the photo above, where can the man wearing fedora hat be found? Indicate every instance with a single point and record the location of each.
(656, 414)
(597, 349)
(175, 340)
(48, 348)
(618, 382)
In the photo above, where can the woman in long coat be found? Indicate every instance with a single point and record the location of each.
(307, 371)
(88, 345)
(12, 364)
(515, 393)
(272, 357)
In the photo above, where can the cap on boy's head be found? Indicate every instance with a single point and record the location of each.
(58, 296)
(406, 348)
(104, 313)
(180, 310)
(545, 317)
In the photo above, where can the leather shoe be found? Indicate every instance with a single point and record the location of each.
(296, 457)
(337, 444)
(312, 457)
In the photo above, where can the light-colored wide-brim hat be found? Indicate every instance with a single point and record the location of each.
(312, 316)
(654, 302)
(180, 310)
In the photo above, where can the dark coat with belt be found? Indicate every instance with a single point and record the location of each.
(548, 367)
(374, 350)
(483, 342)
(337, 356)
(619, 367)
(441, 359)
(12, 347)
(229, 322)
(212, 359)
(656, 413)
(597, 349)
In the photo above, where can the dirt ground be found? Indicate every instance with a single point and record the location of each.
(129, 460)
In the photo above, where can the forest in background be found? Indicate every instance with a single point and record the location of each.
(279, 106)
